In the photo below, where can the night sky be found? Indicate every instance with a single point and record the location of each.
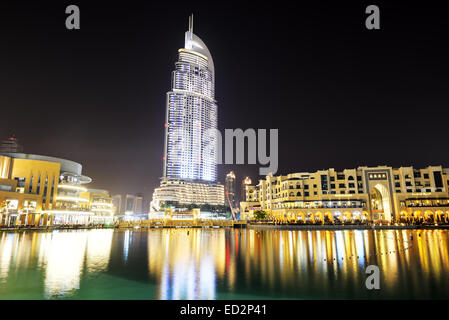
(341, 96)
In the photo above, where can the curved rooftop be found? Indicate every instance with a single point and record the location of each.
(194, 43)
(66, 165)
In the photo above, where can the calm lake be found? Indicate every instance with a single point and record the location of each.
(222, 264)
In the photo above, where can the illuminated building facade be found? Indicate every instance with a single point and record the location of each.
(41, 191)
(230, 190)
(102, 206)
(382, 193)
(187, 192)
(245, 184)
(190, 148)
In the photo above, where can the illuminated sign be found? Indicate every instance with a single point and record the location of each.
(421, 194)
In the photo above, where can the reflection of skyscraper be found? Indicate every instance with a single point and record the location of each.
(189, 173)
(189, 266)
(230, 190)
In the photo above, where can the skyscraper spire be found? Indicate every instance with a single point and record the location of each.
(191, 23)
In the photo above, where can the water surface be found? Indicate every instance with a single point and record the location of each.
(222, 264)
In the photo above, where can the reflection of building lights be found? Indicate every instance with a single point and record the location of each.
(126, 244)
(6, 250)
(64, 262)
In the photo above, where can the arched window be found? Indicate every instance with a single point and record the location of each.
(298, 194)
(292, 194)
(350, 178)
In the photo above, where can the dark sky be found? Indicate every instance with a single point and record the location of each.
(341, 96)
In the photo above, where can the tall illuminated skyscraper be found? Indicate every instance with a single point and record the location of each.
(189, 161)
(191, 114)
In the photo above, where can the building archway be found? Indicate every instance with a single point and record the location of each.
(429, 216)
(417, 216)
(318, 217)
(347, 216)
(309, 218)
(300, 216)
(439, 216)
(404, 216)
(328, 218)
(380, 202)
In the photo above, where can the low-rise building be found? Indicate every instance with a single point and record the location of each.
(101, 204)
(382, 193)
(38, 190)
(182, 192)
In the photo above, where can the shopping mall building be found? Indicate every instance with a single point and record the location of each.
(42, 191)
(380, 194)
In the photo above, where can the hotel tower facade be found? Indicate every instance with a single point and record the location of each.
(189, 161)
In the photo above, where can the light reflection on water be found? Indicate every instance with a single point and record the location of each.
(222, 264)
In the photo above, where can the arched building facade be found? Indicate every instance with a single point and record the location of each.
(380, 194)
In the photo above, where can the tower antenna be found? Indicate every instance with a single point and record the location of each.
(191, 23)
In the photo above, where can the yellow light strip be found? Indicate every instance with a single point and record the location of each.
(68, 212)
(102, 204)
(67, 186)
(69, 198)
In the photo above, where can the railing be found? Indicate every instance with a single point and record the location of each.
(176, 223)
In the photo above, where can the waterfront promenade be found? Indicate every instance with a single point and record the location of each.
(145, 224)
(342, 227)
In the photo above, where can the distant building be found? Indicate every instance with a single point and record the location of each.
(230, 190)
(117, 201)
(11, 145)
(139, 204)
(245, 183)
(130, 204)
(101, 205)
